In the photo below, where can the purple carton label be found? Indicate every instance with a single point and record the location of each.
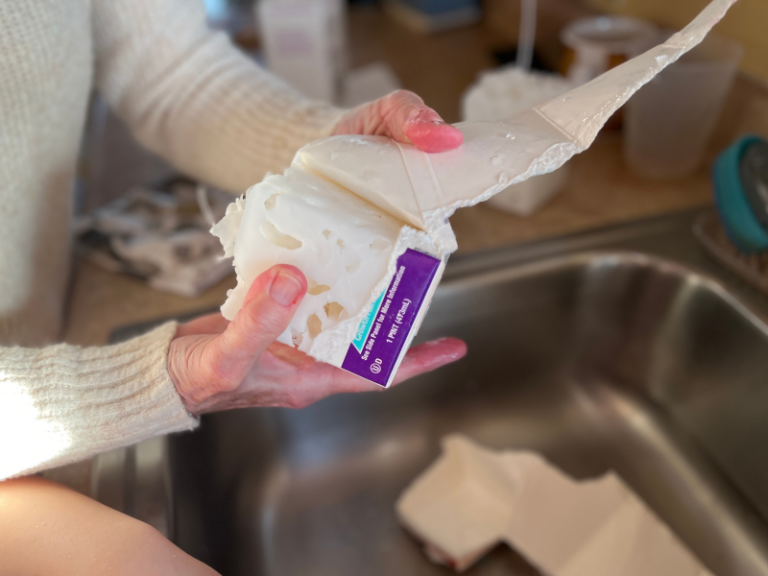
(383, 333)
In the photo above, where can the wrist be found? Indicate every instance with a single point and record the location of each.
(193, 385)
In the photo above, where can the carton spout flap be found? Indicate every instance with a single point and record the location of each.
(423, 189)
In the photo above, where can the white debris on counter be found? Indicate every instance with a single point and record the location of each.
(473, 499)
(159, 235)
(501, 93)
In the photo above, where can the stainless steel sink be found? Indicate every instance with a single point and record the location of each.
(625, 349)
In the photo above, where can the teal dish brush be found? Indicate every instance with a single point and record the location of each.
(740, 177)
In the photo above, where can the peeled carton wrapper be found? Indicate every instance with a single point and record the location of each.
(366, 218)
(472, 499)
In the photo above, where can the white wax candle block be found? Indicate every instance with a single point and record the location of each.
(633, 542)
(389, 203)
(555, 515)
(347, 248)
(461, 504)
(472, 498)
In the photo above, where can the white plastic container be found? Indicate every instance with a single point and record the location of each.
(668, 123)
(600, 42)
(304, 44)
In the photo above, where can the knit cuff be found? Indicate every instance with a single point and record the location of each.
(63, 403)
(260, 135)
(311, 122)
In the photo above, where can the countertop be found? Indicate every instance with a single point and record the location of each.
(600, 190)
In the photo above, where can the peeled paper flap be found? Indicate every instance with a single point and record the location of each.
(421, 189)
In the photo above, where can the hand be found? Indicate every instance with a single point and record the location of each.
(217, 365)
(403, 116)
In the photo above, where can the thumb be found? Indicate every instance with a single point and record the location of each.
(267, 310)
(204, 365)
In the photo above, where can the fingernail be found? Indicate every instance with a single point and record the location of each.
(285, 289)
(424, 116)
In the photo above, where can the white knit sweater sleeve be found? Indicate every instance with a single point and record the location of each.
(63, 403)
(191, 96)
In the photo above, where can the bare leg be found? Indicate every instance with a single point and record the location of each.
(48, 529)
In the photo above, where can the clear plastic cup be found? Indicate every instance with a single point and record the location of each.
(668, 122)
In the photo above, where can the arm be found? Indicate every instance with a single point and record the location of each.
(63, 403)
(48, 529)
(192, 97)
(188, 94)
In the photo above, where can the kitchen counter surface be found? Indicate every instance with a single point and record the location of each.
(600, 190)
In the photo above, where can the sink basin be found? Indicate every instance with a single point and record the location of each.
(624, 349)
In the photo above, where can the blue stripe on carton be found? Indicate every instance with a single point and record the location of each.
(366, 324)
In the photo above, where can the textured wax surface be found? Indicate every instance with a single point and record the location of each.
(341, 243)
